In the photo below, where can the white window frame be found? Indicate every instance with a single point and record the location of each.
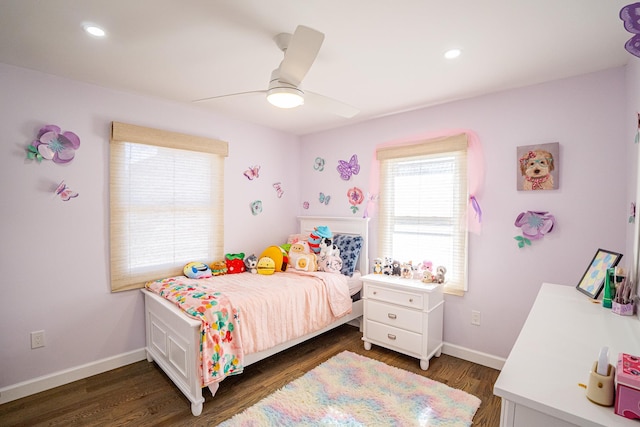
(453, 151)
(132, 210)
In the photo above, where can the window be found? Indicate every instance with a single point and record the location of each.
(166, 197)
(423, 204)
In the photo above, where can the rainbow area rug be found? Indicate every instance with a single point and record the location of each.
(353, 390)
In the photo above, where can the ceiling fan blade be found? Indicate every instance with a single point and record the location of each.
(228, 95)
(329, 105)
(302, 51)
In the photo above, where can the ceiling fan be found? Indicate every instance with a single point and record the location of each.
(300, 51)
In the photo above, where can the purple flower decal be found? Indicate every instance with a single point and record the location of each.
(52, 144)
(356, 197)
(534, 226)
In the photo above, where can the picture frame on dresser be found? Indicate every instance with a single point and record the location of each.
(592, 280)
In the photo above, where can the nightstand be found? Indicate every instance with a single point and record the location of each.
(403, 315)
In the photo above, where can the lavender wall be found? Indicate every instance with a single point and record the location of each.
(586, 116)
(55, 255)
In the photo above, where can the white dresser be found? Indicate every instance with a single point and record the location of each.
(554, 352)
(404, 315)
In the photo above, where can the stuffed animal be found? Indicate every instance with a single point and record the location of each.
(316, 237)
(440, 272)
(328, 248)
(235, 263)
(301, 257)
(197, 270)
(250, 263)
(266, 266)
(218, 268)
(330, 264)
(427, 276)
(406, 271)
(395, 268)
(387, 267)
(278, 255)
(377, 266)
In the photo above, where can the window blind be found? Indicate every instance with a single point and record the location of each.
(166, 202)
(422, 205)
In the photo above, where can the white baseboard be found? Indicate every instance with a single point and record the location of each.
(474, 356)
(46, 382)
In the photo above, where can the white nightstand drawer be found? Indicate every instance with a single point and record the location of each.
(393, 315)
(390, 337)
(407, 299)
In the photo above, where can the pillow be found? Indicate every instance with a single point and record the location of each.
(350, 247)
(295, 238)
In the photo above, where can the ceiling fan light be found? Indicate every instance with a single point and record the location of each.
(285, 97)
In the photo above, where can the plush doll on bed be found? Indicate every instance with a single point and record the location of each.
(278, 255)
(328, 248)
(316, 236)
(197, 270)
(218, 268)
(330, 264)
(302, 258)
(235, 263)
(251, 263)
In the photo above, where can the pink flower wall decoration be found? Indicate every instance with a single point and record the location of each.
(53, 144)
(356, 197)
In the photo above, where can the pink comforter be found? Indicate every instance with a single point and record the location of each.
(247, 313)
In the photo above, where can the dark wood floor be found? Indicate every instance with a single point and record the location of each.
(140, 394)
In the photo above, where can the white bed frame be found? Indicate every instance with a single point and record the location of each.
(173, 338)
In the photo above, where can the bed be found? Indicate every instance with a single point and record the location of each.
(173, 338)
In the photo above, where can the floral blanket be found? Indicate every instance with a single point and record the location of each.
(220, 341)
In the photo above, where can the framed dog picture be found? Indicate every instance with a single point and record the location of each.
(592, 281)
(538, 166)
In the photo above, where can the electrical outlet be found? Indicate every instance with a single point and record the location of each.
(475, 317)
(37, 339)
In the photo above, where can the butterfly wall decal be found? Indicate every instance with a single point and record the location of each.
(65, 193)
(630, 15)
(279, 190)
(324, 199)
(347, 169)
(252, 172)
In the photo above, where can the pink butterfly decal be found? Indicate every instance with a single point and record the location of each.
(65, 193)
(349, 168)
(279, 190)
(252, 172)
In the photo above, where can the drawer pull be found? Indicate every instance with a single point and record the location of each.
(392, 316)
(391, 336)
(410, 299)
(375, 292)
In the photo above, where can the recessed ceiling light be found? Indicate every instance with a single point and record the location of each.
(94, 30)
(452, 53)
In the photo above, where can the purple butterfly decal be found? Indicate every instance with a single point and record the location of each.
(630, 15)
(65, 193)
(252, 172)
(349, 168)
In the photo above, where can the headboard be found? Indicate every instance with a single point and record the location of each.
(340, 225)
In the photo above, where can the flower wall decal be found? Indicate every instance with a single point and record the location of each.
(534, 226)
(356, 197)
(53, 144)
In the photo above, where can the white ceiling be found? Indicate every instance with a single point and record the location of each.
(380, 56)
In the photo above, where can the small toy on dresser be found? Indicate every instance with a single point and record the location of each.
(377, 266)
